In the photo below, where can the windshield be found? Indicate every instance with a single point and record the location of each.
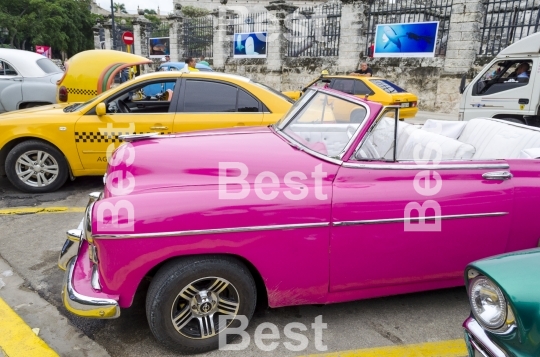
(387, 86)
(48, 66)
(78, 106)
(325, 124)
(273, 91)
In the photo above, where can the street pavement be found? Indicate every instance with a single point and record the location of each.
(31, 237)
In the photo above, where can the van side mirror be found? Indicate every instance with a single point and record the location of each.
(101, 109)
(462, 85)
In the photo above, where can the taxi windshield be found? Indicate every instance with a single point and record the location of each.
(78, 106)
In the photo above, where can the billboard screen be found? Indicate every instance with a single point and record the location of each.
(250, 45)
(414, 39)
(159, 47)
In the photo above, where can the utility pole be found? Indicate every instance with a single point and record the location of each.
(113, 27)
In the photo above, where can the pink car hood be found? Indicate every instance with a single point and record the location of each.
(181, 161)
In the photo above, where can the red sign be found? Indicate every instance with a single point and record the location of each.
(44, 50)
(127, 37)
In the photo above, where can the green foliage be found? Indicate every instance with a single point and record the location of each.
(65, 25)
(192, 11)
(150, 11)
(119, 7)
(153, 18)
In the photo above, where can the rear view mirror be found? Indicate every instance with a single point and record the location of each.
(462, 85)
(101, 109)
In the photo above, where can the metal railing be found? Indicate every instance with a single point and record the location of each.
(507, 21)
(314, 31)
(255, 22)
(198, 36)
(406, 11)
(159, 30)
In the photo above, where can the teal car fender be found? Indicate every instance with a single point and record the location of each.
(517, 275)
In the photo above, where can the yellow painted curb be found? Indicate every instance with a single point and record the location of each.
(449, 348)
(17, 339)
(38, 210)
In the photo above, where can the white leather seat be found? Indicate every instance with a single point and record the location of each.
(499, 139)
(450, 149)
(451, 129)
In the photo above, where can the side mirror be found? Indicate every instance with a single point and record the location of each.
(462, 85)
(101, 109)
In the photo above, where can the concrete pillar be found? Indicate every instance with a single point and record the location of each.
(97, 41)
(352, 42)
(221, 46)
(464, 35)
(108, 34)
(176, 34)
(141, 31)
(277, 33)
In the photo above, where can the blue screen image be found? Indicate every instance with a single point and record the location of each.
(406, 38)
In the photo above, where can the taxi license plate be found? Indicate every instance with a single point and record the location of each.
(405, 105)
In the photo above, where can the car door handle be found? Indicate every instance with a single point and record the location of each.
(17, 79)
(497, 175)
(159, 127)
(523, 101)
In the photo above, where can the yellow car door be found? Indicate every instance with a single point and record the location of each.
(144, 107)
(210, 104)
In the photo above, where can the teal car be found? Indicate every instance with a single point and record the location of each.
(504, 293)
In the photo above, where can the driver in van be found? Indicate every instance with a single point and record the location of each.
(521, 71)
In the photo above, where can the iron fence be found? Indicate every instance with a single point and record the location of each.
(406, 11)
(199, 36)
(507, 21)
(255, 22)
(159, 30)
(314, 31)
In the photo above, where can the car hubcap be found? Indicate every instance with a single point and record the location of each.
(37, 168)
(197, 308)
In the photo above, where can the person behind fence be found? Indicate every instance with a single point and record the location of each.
(363, 71)
(203, 61)
(190, 66)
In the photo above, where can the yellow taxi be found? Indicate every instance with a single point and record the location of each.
(41, 147)
(376, 89)
(92, 72)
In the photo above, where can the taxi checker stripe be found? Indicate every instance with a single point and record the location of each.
(81, 91)
(104, 137)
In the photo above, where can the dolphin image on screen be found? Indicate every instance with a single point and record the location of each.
(239, 45)
(392, 37)
(250, 46)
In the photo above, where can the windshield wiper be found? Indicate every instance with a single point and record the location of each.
(70, 108)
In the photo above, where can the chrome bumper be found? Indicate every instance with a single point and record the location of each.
(478, 342)
(86, 306)
(76, 303)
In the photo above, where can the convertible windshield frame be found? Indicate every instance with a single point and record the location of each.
(302, 103)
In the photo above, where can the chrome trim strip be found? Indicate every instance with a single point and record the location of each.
(426, 166)
(211, 231)
(86, 306)
(477, 332)
(70, 248)
(414, 219)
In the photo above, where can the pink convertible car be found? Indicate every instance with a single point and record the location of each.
(336, 202)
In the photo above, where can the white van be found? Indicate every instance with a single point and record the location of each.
(508, 88)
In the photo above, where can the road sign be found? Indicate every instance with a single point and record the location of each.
(127, 37)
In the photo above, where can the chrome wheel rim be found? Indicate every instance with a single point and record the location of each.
(196, 309)
(37, 168)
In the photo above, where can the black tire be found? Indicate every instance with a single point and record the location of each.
(31, 146)
(173, 277)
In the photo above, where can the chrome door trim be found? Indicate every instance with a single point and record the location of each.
(497, 175)
(211, 231)
(414, 219)
(471, 166)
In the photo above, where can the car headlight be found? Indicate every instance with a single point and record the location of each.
(487, 302)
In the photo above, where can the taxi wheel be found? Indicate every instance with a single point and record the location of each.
(192, 300)
(36, 167)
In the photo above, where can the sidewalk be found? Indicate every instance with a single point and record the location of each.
(33, 327)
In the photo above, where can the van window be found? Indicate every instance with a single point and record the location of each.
(502, 76)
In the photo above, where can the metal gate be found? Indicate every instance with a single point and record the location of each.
(199, 36)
